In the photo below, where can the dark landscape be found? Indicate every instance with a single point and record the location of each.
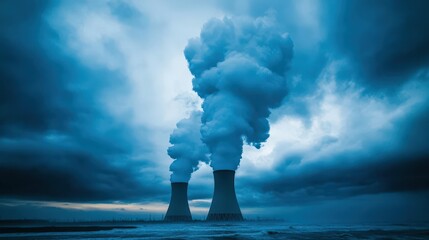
(210, 230)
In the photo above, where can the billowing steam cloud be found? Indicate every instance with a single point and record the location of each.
(187, 149)
(238, 66)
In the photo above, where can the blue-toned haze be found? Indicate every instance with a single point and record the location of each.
(90, 92)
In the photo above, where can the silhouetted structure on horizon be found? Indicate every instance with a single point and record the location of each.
(224, 205)
(178, 210)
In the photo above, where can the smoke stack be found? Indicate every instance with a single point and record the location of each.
(224, 205)
(178, 210)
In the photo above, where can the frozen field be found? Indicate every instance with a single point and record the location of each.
(242, 230)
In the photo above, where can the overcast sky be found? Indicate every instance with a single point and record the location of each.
(90, 92)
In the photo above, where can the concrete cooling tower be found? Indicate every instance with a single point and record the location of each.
(178, 210)
(224, 205)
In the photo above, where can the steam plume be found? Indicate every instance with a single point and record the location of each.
(238, 66)
(187, 148)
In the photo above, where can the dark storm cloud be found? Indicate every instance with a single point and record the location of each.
(340, 178)
(29, 82)
(385, 40)
(45, 170)
(374, 170)
(56, 142)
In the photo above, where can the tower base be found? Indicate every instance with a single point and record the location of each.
(178, 210)
(225, 217)
(224, 206)
(178, 218)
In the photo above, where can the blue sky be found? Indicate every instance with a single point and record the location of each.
(90, 92)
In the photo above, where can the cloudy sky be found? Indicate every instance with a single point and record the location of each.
(90, 92)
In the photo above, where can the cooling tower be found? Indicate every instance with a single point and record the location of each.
(178, 210)
(224, 205)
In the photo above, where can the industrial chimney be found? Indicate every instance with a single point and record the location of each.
(178, 210)
(224, 205)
